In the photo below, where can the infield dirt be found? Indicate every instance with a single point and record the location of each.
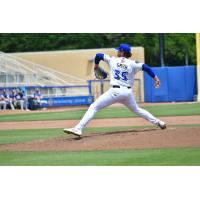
(133, 139)
(181, 120)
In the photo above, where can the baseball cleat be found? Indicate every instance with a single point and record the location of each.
(162, 125)
(73, 131)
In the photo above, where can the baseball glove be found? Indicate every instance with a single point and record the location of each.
(100, 73)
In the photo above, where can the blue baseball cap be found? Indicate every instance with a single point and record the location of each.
(124, 47)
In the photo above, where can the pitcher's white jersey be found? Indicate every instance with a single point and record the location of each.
(122, 70)
(122, 73)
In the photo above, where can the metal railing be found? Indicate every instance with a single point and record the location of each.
(13, 67)
(55, 91)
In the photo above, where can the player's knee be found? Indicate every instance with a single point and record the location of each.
(93, 107)
(137, 110)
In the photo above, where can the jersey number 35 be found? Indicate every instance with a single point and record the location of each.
(121, 75)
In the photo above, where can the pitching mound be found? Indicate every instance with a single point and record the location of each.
(132, 139)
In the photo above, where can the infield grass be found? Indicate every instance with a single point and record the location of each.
(147, 157)
(111, 112)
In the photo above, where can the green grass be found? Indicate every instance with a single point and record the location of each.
(148, 157)
(14, 136)
(118, 112)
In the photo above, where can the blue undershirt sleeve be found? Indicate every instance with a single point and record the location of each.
(148, 70)
(98, 57)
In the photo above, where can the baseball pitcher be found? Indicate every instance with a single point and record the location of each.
(122, 75)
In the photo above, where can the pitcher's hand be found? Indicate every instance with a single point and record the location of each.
(157, 82)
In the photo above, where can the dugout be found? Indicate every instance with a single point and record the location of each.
(55, 96)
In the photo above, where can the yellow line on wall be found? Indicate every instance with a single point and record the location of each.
(198, 63)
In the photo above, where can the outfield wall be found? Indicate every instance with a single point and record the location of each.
(177, 84)
(79, 62)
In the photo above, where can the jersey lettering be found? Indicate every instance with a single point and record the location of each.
(122, 70)
(122, 76)
(117, 73)
(121, 65)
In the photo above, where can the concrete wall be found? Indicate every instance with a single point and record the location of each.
(76, 62)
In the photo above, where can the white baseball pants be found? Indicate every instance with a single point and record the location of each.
(115, 95)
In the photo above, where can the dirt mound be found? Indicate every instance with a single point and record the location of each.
(132, 139)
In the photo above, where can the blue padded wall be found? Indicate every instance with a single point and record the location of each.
(177, 84)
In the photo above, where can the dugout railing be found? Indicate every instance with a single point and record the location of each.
(59, 95)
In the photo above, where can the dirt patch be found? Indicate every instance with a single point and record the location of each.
(97, 123)
(132, 139)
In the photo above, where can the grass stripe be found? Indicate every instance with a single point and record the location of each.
(147, 157)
